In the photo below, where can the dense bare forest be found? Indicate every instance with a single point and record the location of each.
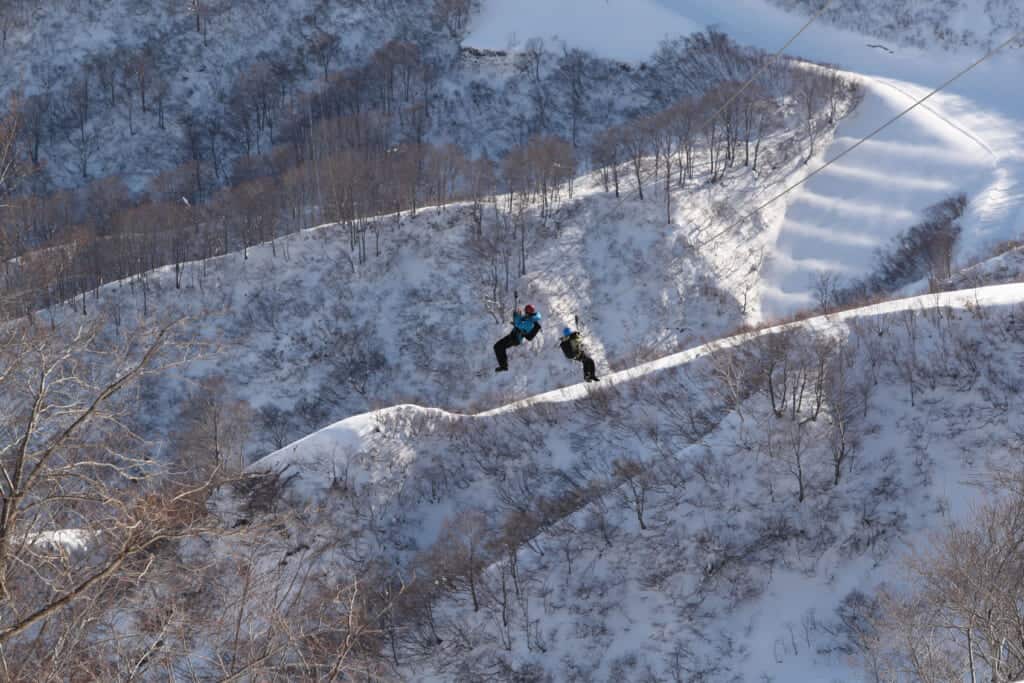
(375, 138)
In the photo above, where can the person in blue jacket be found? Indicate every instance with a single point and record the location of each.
(525, 325)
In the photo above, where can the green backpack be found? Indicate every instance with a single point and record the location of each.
(572, 346)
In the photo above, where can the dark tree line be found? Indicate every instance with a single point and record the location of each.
(924, 250)
(272, 160)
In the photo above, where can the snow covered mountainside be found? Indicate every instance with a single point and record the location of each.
(334, 331)
(328, 481)
(685, 520)
(117, 88)
(549, 519)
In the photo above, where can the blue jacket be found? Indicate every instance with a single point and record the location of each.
(526, 325)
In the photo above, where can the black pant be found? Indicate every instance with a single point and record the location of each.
(589, 369)
(503, 345)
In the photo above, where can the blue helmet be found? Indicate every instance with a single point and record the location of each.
(566, 332)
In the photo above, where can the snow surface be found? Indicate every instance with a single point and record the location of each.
(840, 219)
(288, 314)
(619, 29)
(765, 610)
(385, 482)
(70, 541)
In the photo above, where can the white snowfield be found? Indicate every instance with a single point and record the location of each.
(586, 24)
(838, 220)
(968, 138)
(347, 436)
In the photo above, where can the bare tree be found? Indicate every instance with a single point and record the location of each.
(905, 355)
(636, 140)
(78, 109)
(638, 482)
(573, 74)
(140, 65)
(941, 231)
(11, 162)
(963, 618)
(64, 465)
(845, 409)
(453, 15)
(461, 553)
(161, 90)
(810, 95)
(214, 429)
(324, 47)
(531, 63)
(37, 110)
(825, 284)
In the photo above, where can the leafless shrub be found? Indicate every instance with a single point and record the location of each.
(733, 377)
(261, 491)
(962, 619)
(461, 553)
(637, 484)
(212, 430)
(825, 286)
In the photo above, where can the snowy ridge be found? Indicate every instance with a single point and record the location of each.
(352, 434)
(348, 434)
(996, 295)
(764, 565)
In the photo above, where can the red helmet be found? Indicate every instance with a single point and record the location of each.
(530, 310)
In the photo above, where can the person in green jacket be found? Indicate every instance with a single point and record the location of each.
(573, 348)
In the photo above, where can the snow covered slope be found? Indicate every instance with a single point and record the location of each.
(721, 571)
(968, 138)
(1006, 295)
(837, 221)
(620, 29)
(95, 47)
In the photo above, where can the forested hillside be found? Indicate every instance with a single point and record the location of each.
(246, 146)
